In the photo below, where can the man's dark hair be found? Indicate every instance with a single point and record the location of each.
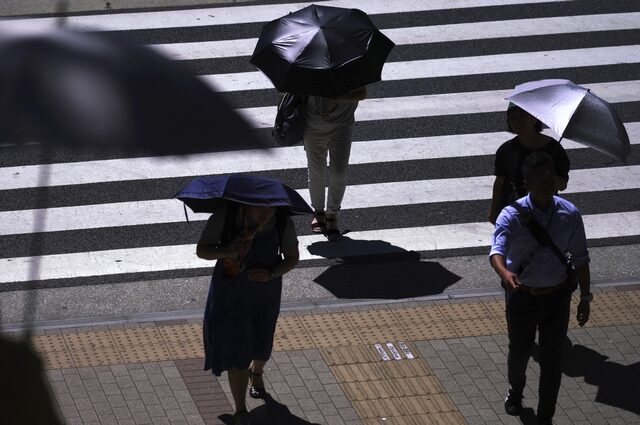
(536, 161)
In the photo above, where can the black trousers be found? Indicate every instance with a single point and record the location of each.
(549, 315)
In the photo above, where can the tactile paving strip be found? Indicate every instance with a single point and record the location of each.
(372, 318)
(612, 308)
(326, 322)
(463, 310)
(477, 327)
(86, 341)
(185, 349)
(45, 343)
(291, 335)
(418, 315)
(102, 356)
(382, 334)
(350, 355)
(144, 353)
(334, 338)
(433, 330)
(181, 333)
(57, 359)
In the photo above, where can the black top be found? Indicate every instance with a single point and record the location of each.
(511, 154)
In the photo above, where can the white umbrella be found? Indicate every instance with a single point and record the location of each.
(575, 113)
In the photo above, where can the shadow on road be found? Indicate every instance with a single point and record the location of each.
(376, 269)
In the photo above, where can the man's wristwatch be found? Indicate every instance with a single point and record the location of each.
(586, 297)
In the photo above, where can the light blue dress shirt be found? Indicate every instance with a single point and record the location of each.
(535, 265)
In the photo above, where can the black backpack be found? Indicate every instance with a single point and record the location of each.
(289, 125)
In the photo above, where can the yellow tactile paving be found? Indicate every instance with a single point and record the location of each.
(406, 387)
(418, 315)
(181, 333)
(613, 308)
(57, 359)
(372, 318)
(463, 310)
(45, 343)
(89, 340)
(350, 355)
(334, 337)
(382, 334)
(185, 349)
(477, 327)
(102, 356)
(291, 335)
(326, 322)
(433, 330)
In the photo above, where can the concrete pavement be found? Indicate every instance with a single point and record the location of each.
(344, 363)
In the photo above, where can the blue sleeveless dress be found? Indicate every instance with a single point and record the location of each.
(240, 315)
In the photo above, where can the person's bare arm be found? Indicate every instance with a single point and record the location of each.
(500, 266)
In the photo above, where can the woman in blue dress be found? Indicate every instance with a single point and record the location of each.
(255, 246)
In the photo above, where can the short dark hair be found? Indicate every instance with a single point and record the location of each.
(536, 161)
(538, 126)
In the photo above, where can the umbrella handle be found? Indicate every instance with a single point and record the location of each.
(185, 211)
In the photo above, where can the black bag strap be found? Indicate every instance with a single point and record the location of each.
(542, 236)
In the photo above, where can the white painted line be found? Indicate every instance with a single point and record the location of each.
(247, 14)
(394, 352)
(181, 257)
(381, 351)
(451, 67)
(358, 196)
(261, 161)
(429, 34)
(446, 104)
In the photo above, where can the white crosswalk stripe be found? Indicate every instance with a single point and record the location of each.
(604, 66)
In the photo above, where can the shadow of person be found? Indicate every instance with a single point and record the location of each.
(618, 385)
(375, 269)
(270, 413)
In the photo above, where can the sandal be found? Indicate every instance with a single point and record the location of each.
(332, 233)
(256, 391)
(319, 223)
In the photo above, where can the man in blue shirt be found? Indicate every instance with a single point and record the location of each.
(537, 283)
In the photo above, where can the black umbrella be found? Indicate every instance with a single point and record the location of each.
(321, 50)
(86, 88)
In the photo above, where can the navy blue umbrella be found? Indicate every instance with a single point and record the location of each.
(205, 194)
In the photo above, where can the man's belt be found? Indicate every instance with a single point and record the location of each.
(536, 292)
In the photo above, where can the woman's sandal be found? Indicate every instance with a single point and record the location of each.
(319, 223)
(332, 233)
(256, 391)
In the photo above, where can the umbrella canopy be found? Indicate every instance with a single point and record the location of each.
(205, 194)
(84, 88)
(321, 50)
(576, 113)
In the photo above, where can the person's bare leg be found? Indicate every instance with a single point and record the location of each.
(256, 370)
(238, 382)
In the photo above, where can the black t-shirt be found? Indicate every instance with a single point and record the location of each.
(513, 150)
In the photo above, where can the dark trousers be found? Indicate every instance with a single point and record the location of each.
(549, 315)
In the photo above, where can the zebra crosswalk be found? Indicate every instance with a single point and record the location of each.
(421, 164)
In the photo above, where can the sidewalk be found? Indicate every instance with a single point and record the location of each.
(326, 368)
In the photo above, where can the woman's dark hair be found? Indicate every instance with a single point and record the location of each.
(539, 124)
